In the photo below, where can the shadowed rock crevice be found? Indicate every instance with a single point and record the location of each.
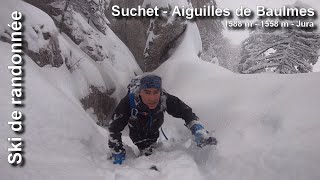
(149, 39)
(102, 104)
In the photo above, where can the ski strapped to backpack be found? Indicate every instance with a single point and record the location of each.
(133, 91)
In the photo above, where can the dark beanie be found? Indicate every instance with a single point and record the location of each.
(150, 81)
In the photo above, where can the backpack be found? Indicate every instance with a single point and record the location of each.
(133, 90)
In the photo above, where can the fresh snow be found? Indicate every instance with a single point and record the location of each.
(150, 39)
(267, 125)
(237, 36)
(112, 73)
(316, 67)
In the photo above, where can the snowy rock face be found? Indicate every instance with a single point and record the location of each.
(157, 49)
(72, 12)
(41, 44)
(148, 39)
(95, 64)
(102, 104)
(210, 29)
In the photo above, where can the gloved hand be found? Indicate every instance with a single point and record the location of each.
(202, 136)
(118, 158)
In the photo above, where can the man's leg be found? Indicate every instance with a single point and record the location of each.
(144, 141)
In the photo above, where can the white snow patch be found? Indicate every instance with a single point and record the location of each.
(316, 67)
(150, 39)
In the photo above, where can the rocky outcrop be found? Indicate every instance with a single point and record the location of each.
(73, 19)
(162, 37)
(41, 44)
(101, 103)
(95, 57)
(149, 39)
(211, 33)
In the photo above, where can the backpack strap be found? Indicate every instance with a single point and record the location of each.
(132, 90)
(133, 110)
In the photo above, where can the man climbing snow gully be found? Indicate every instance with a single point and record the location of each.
(142, 109)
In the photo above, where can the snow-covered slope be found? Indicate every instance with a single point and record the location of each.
(59, 135)
(267, 125)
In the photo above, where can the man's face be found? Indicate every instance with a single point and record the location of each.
(150, 97)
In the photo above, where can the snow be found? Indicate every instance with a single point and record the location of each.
(267, 125)
(33, 32)
(237, 36)
(113, 72)
(269, 51)
(263, 130)
(316, 67)
(54, 127)
(151, 37)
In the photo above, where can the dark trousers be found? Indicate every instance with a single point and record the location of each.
(143, 140)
